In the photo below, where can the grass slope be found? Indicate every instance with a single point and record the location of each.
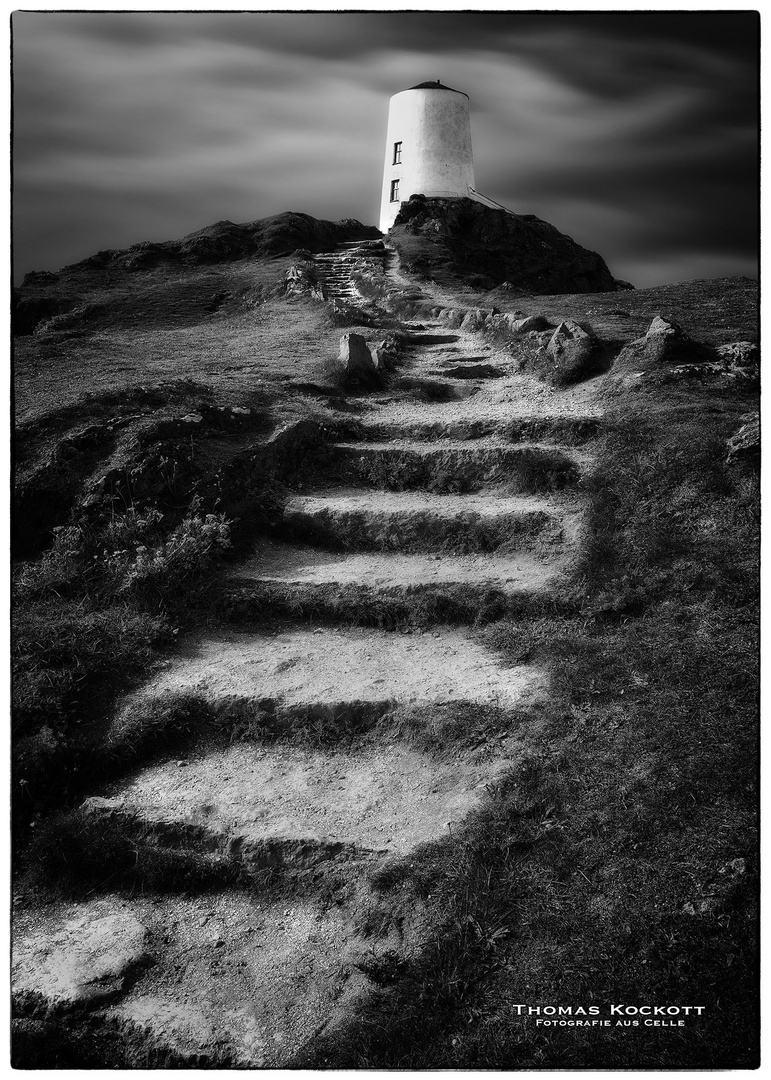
(618, 861)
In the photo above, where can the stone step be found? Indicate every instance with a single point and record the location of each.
(448, 466)
(297, 579)
(409, 521)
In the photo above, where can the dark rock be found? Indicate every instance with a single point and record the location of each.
(452, 239)
(42, 1044)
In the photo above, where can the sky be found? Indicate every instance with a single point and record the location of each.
(636, 133)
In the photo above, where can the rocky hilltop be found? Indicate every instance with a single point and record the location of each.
(463, 240)
(44, 294)
(450, 241)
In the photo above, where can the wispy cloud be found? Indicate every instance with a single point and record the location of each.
(636, 133)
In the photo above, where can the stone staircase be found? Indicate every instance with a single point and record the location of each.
(335, 268)
(443, 501)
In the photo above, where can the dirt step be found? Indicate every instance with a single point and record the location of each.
(295, 671)
(414, 427)
(449, 466)
(435, 390)
(228, 979)
(408, 521)
(470, 371)
(291, 808)
(294, 574)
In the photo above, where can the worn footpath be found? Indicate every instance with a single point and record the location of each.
(439, 493)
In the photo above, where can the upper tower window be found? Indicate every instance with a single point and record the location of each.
(397, 153)
(394, 191)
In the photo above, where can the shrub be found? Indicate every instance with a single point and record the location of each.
(185, 554)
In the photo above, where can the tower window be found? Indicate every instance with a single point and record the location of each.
(394, 191)
(397, 153)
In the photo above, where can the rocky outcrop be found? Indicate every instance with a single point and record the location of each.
(665, 343)
(300, 279)
(460, 239)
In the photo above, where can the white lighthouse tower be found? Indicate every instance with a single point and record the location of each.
(428, 148)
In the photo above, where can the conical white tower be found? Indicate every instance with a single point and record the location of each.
(428, 147)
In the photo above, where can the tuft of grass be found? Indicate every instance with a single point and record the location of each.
(347, 382)
(146, 726)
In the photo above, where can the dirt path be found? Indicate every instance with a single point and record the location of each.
(244, 980)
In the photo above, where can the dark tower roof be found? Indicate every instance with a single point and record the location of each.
(435, 85)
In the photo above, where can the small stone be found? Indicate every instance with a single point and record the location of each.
(181, 764)
(663, 326)
(81, 959)
(532, 322)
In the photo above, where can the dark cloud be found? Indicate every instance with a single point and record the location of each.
(635, 132)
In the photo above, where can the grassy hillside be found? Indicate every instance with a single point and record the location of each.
(616, 862)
